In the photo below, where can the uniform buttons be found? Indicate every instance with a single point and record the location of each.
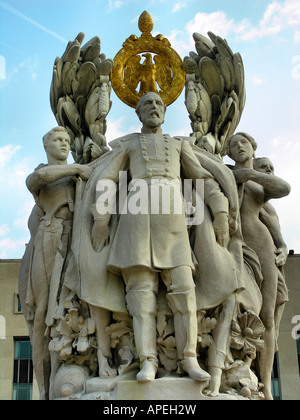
(167, 170)
(167, 160)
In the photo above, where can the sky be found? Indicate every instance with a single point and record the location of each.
(34, 32)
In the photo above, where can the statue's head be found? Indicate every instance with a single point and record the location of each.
(151, 110)
(263, 165)
(57, 145)
(241, 147)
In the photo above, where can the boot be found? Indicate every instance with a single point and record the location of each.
(184, 309)
(142, 308)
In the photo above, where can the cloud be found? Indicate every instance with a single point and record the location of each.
(18, 201)
(6, 154)
(13, 172)
(114, 4)
(277, 17)
(27, 65)
(8, 245)
(16, 12)
(216, 22)
(4, 229)
(180, 4)
(114, 129)
(257, 80)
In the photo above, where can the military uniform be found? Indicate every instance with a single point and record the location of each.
(157, 240)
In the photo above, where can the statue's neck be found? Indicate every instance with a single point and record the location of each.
(248, 164)
(151, 130)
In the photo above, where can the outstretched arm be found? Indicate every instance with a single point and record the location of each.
(52, 173)
(274, 186)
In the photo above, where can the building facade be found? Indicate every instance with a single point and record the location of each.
(17, 380)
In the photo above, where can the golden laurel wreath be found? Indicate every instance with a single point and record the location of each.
(131, 79)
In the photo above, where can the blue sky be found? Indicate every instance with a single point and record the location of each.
(34, 32)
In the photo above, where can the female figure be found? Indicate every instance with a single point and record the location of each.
(257, 189)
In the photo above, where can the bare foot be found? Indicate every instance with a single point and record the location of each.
(268, 395)
(105, 371)
(215, 382)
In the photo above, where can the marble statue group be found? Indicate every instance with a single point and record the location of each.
(135, 292)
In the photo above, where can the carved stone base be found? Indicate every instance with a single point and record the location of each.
(124, 387)
(167, 388)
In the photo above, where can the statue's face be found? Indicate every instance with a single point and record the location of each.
(58, 146)
(241, 149)
(152, 110)
(264, 165)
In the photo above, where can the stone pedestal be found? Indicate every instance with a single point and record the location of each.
(166, 389)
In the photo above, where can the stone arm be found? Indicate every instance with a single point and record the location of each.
(269, 218)
(219, 207)
(51, 173)
(274, 186)
(213, 196)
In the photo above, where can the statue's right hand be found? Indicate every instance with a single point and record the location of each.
(100, 235)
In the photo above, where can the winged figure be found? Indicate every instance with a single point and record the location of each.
(80, 96)
(149, 75)
(215, 91)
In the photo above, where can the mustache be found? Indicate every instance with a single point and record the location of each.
(154, 112)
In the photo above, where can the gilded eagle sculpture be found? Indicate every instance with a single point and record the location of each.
(131, 79)
(150, 76)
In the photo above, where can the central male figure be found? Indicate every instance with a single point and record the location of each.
(148, 246)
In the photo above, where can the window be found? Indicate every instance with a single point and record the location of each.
(275, 379)
(23, 370)
(17, 304)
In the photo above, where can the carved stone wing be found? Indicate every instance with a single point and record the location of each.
(215, 91)
(80, 96)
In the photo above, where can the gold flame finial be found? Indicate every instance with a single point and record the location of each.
(146, 22)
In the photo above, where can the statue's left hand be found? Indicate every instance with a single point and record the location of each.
(221, 228)
(100, 235)
(84, 171)
(281, 256)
